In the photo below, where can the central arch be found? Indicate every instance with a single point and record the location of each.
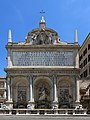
(42, 92)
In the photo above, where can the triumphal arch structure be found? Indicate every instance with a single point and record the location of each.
(42, 71)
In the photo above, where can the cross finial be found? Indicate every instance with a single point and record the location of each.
(42, 18)
(42, 23)
(42, 12)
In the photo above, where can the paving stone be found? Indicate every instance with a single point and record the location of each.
(13, 117)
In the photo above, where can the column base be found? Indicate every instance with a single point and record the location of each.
(30, 105)
(55, 105)
(9, 104)
(77, 104)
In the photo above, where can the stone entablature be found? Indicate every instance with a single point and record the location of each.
(42, 71)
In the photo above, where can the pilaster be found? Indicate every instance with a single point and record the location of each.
(77, 59)
(9, 59)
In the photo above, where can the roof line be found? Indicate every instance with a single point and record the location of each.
(85, 40)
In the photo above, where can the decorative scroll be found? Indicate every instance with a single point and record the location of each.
(42, 58)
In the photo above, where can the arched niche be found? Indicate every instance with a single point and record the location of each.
(66, 93)
(43, 92)
(20, 92)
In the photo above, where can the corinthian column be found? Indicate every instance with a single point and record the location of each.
(55, 91)
(31, 89)
(31, 98)
(55, 98)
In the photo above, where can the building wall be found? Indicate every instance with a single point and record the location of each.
(42, 65)
(84, 64)
(65, 71)
(84, 58)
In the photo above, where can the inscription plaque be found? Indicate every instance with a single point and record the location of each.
(43, 58)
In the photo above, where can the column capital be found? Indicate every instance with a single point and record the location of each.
(29, 76)
(8, 81)
(54, 76)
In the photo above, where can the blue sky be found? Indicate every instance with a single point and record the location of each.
(21, 16)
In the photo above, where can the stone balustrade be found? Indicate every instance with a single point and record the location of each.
(43, 112)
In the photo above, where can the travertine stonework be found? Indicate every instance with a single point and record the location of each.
(42, 72)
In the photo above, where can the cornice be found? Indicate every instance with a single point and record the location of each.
(41, 71)
(26, 46)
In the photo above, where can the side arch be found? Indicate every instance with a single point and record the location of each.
(20, 92)
(66, 89)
